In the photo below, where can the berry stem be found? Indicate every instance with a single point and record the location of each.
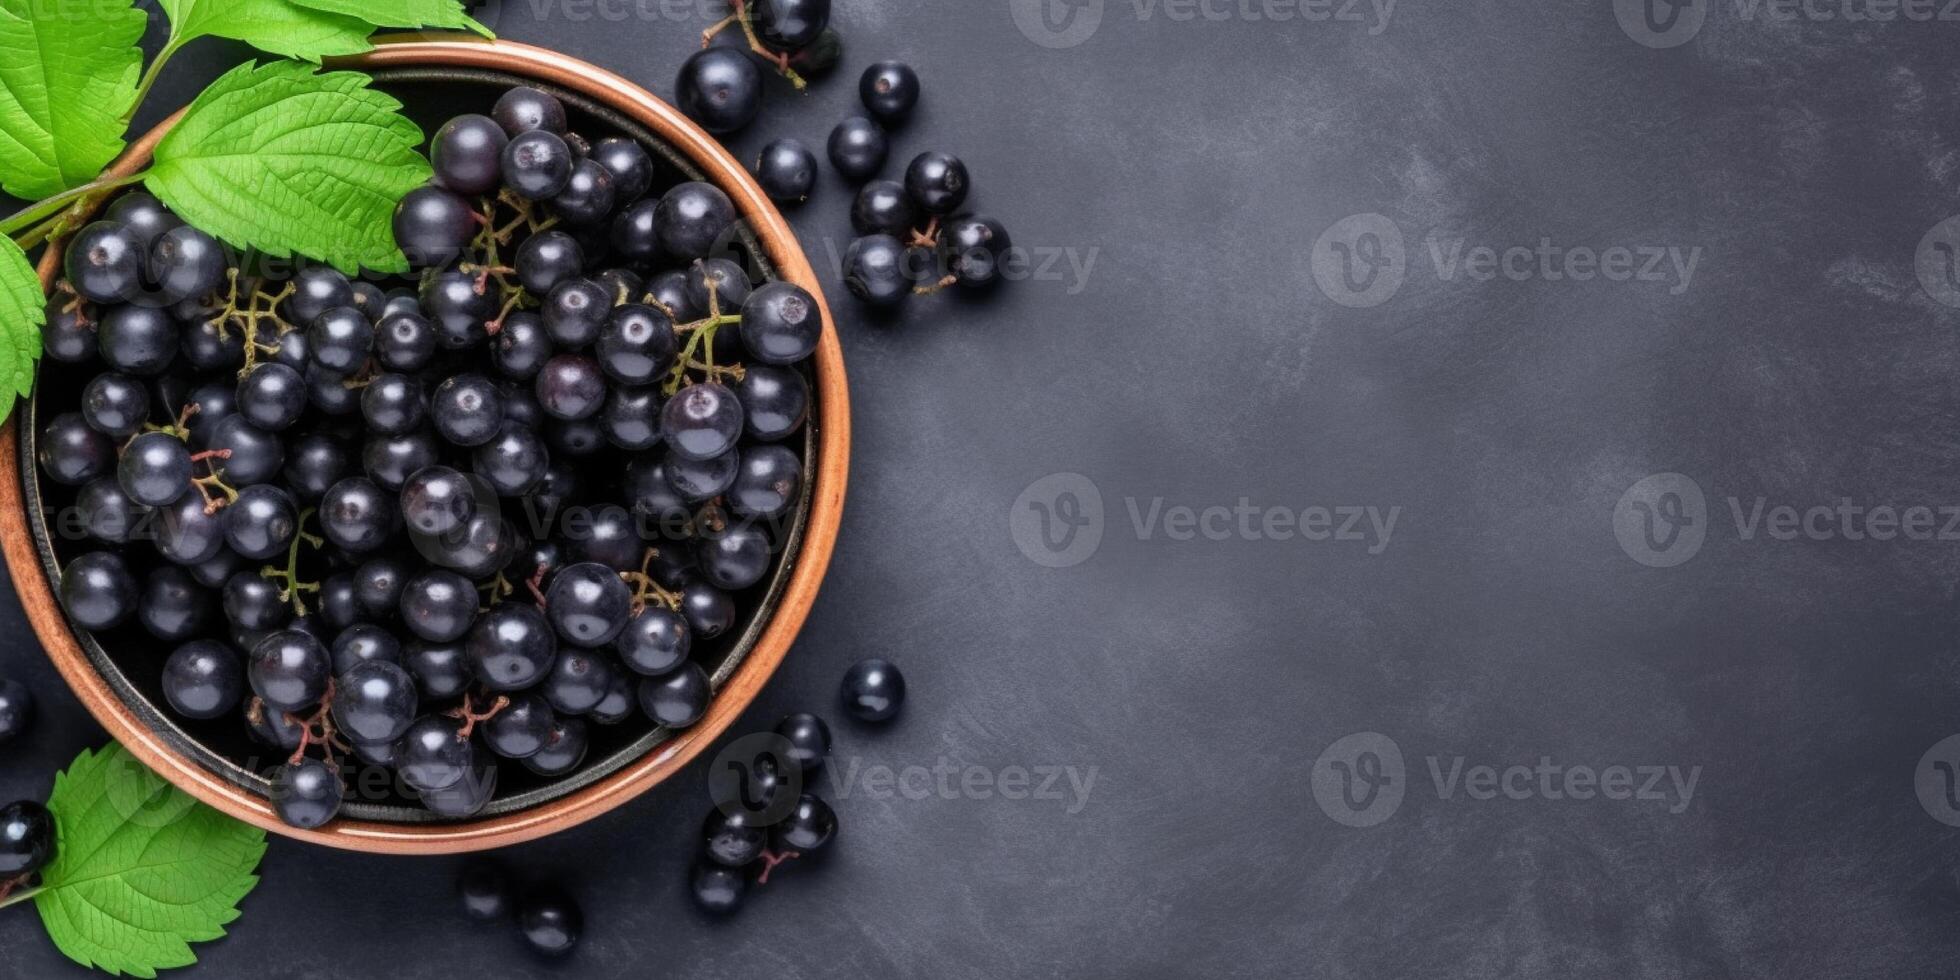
(645, 588)
(12, 894)
(290, 591)
(770, 859)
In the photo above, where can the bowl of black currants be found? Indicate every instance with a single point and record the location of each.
(449, 559)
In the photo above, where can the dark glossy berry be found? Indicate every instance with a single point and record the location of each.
(790, 25)
(340, 606)
(143, 216)
(732, 840)
(69, 333)
(551, 923)
(186, 264)
(433, 225)
(973, 249)
(767, 484)
(884, 208)
(390, 460)
(187, 534)
(578, 680)
(511, 647)
(115, 404)
(571, 386)
(588, 196)
(524, 109)
(97, 591)
(405, 341)
(563, 749)
(655, 642)
(435, 754)
(261, 523)
(441, 670)
(393, 403)
(328, 392)
(873, 690)
(70, 451)
(466, 154)
(357, 515)
(889, 91)
(316, 289)
(153, 469)
(104, 262)
(630, 165)
(520, 730)
(467, 409)
(362, 643)
(697, 480)
(702, 421)
(631, 418)
(203, 679)
(460, 313)
(485, 893)
(668, 291)
(439, 605)
(808, 738)
(247, 453)
(547, 259)
(522, 347)
(139, 340)
(306, 794)
(340, 339)
(720, 88)
(272, 729)
(272, 396)
(27, 838)
(710, 612)
(781, 323)
(173, 607)
(537, 165)
(636, 346)
(16, 710)
(481, 548)
(775, 401)
(726, 283)
(370, 300)
(374, 701)
(858, 148)
(787, 171)
(678, 699)
(437, 501)
(808, 827)
(693, 219)
(717, 889)
(575, 311)
(735, 557)
(635, 234)
(208, 346)
(107, 512)
(467, 797)
(620, 703)
(937, 182)
(512, 462)
(378, 584)
(874, 271)
(588, 604)
(289, 671)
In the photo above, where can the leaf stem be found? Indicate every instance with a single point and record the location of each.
(19, 897)
(37, 213)
(150, 74)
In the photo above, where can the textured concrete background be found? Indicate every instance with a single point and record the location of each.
(1210, 356)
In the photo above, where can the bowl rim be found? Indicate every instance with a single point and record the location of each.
(827, 477)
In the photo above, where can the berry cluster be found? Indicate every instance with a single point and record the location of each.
(744, 839)
(334, 467)
(548, 918)
(721, 87)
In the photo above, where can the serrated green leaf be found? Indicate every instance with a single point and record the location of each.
(142, 870)
(288, 160)
(21, 314)
(277, 26)
(67, 75)
(448, 14)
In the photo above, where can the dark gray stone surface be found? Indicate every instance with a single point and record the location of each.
(1797, 683)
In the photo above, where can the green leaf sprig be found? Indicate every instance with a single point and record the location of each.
(141, 871)
(280, 157)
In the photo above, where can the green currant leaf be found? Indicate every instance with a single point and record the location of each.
(21, 314)
(447, 14)
(287, 160)
(277, 26)
(67, 76)
(141, 870)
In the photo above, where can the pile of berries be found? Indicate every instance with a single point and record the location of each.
(767, 819)
(446, 525)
